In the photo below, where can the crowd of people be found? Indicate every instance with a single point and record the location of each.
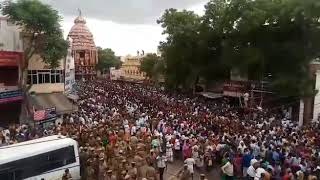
(133, 131)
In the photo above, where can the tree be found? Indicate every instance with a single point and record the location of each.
(148, 65)
(107, 59)
(264, 37)
(254, 37)
(180, 50)
(41, 30)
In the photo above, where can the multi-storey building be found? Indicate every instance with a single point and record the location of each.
(131, 68)
(48, 87)
(11, 61)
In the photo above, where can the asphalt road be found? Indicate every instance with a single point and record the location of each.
(174, 168)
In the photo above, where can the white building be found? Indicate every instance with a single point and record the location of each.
(316, 103)
(10, 39)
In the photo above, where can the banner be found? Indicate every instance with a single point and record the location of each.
(10, 96)
(235, 88)
(45, 114)
(8, 58)
(69, 70)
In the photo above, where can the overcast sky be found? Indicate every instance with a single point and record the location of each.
(122, 25)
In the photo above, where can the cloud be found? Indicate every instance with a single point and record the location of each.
(121, 11)
(122, 38)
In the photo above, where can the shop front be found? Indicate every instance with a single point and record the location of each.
(10, 93)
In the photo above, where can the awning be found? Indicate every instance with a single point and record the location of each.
(73, 97)
(211, 95)
(57, 100)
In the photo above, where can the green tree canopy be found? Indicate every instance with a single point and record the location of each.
(41, 29)
(149, 65)
(256, 37)
(107, 59)
(180, 48)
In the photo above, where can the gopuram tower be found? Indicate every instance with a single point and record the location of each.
(84, 50)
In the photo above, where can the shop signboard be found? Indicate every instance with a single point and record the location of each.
(8, 58)
(10, 96)
(235, 88)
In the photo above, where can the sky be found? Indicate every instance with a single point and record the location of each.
(125, 26)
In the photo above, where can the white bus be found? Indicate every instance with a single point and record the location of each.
(40, 159)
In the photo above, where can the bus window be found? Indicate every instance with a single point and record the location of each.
(62, 157)
(7, 175)
(18, 174)
(15, 175)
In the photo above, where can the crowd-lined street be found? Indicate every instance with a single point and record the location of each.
(135, 131)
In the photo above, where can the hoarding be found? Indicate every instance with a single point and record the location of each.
(8, 58)
(10, 96)
(235, 88)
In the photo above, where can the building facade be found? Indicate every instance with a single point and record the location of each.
(11, 61)
(131, 68)
(69, 71)
(42, 78)
(84, 50)
(311, 108)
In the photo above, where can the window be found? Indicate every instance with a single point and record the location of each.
(35, 165)
(58, 78)
(40, 78)
(34, 79)
(45, 76)
(29, 79)
(53, 78)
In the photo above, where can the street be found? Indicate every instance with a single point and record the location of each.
(174, 168)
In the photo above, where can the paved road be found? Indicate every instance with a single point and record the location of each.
(176, 166)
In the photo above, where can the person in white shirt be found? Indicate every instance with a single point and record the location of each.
(190, 162)
(133, 130)
(177, 148)
(259, 173)
(251, 172)
(227, 170)
(169, 152)
(161, 164)
(242, 146)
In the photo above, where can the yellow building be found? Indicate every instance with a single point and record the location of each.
(131, 68)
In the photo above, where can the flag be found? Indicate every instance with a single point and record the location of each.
(39, 115)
